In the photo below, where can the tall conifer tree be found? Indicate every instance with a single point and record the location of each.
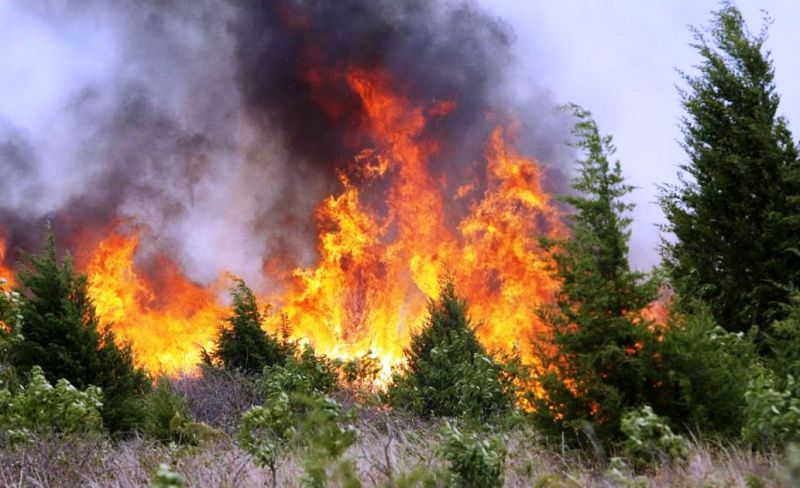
(736, 212)
(598, 331)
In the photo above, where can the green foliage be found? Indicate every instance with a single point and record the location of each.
(165, 477)
(772, 410)
(648, 438)
(308, 374)
(700, 372)
(360, 372)
(472, 459)
(242, 344)
(448, 373)
(783, 338)
(734, 214)
(61, 334)
(40, 406)
(313, 422)
(265, 430)
(168, 419)
(327, 433)
(594, 364)
(298, 412)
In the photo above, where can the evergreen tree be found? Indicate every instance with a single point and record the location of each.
(242, 344)
(736, 212)
(448, 372)
(62, 334)
(596, 369)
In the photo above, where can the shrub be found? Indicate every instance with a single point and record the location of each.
(326, 432)
(648, 438)
(447, 372)
(772, 410)
(360, 372)
(308, 374)
(473, 460)
(242, 344)
(39, 406)
(62, 334)
(264, 430)
(312, 422)
(699, 372)
(168, 418)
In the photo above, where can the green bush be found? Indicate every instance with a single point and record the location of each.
(40, 407)
(265, 430)
(699, 372)
(447, 371)
(168, 418)
(473, 460)
(62, 334)
(313, 422)
(308, 374)
(242, 343)
(772, 409)
(648, 438)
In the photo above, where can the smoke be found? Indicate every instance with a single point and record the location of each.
(217, 126)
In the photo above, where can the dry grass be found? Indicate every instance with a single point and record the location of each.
(387, 446)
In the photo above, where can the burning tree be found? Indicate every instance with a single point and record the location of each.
(598, 328)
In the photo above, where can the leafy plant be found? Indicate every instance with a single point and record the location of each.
(648, 438)
(772, 410)
(40, 406)
(472, 459)
(308, 374)
(699, 371)
(265, 430)
(168, 418)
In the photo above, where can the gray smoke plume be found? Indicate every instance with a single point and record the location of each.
(198, 118)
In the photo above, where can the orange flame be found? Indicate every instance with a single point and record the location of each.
(166, 327)
(377, 266)
(5, 270)
(376, 273)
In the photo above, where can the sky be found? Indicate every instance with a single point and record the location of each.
(617, 58)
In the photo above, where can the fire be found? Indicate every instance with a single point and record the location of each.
(377, 267)
(167, 325)
(377, 271)
(5, 270)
